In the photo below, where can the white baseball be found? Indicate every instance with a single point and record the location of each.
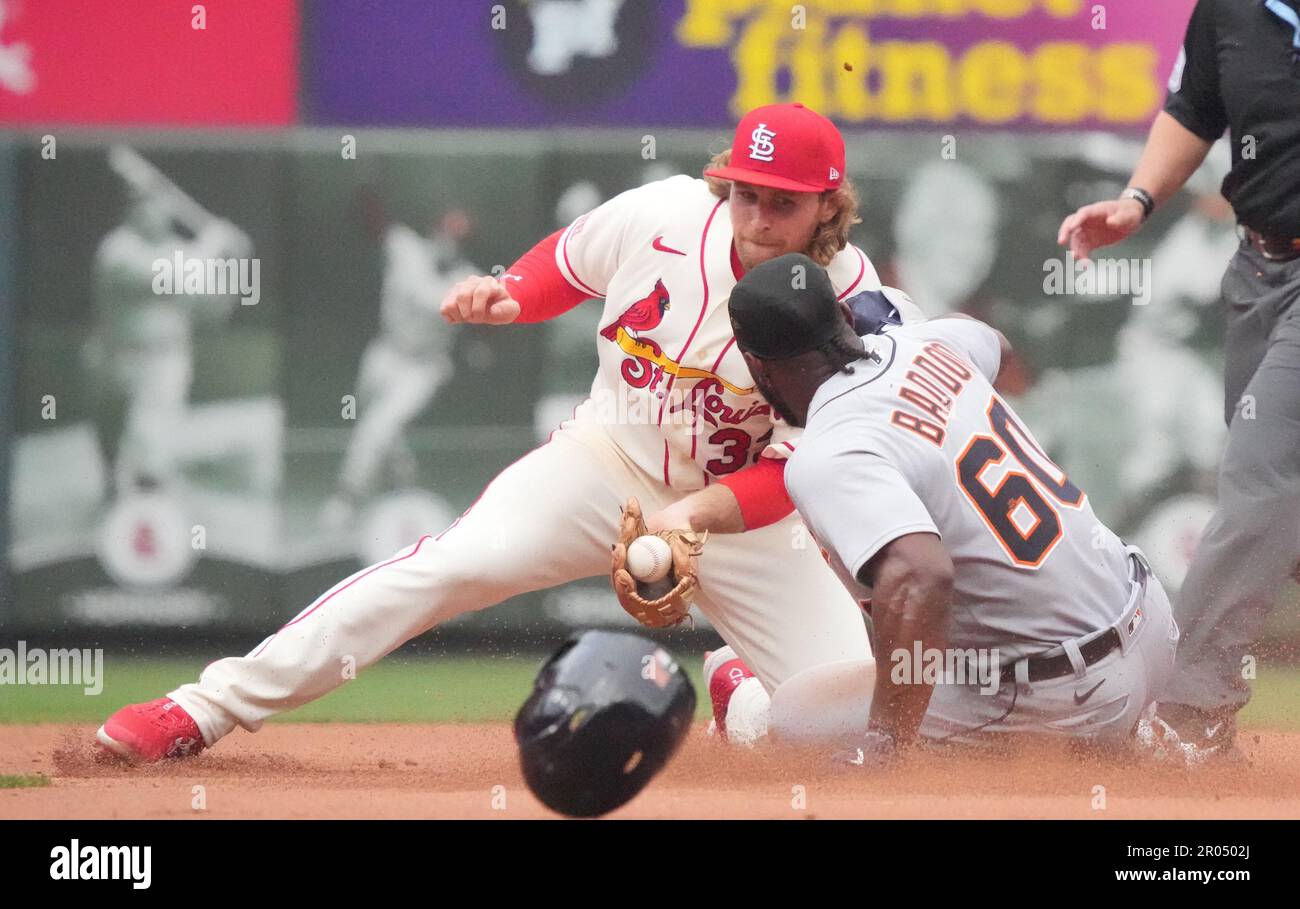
(648, 558)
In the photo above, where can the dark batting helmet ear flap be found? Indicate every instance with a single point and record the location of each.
(607, 711)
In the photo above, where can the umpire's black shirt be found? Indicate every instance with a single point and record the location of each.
(1239, 69)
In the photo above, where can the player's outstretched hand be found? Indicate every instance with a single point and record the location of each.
(481, 300)
(1099, 224)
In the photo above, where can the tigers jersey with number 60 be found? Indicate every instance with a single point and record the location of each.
(917, 441)
(672, 389)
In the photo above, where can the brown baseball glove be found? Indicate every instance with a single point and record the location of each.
(667, 601)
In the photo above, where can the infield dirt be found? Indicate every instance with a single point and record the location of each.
(334, 770)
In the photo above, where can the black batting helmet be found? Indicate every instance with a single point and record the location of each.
(607, 711)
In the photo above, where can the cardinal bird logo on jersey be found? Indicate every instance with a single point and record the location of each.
(642, 315)
(646, 363)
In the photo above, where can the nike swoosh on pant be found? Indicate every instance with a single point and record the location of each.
(1079, 701)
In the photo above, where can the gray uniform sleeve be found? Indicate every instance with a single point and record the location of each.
(855, 502)
(970, 338)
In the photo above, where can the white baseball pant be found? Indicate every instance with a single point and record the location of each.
(547, 519)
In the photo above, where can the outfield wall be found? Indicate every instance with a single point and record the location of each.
(1122, 388)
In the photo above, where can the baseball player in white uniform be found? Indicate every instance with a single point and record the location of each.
(405, 364)
(672, 410)
(142, 351)
(999, 602)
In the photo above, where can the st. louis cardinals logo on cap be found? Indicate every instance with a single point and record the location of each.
(761, 147)
(812, 150)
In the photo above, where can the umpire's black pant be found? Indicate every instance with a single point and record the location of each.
(1251, 546)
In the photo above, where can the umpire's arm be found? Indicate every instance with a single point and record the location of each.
(1180, 138)
(911, 581)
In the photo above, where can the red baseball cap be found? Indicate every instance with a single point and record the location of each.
(785, 146)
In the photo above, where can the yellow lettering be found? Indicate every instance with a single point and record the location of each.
(1062, 9)
(707, 23)
(910, 9)
(991, 79)
(858, 8)
(1004, 9)
(1126, 82)
(1063, 91)
(758, 56)
(852, 99)
(915, 80)
(808, 65)
(992, 82)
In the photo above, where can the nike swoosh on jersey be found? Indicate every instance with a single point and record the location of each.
(659, 245)
(1079, 701)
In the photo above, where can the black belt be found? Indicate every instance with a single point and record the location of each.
(1273, 247)
(1043, 668)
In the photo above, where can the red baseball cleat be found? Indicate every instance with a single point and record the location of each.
(144, 733)
(724, 672)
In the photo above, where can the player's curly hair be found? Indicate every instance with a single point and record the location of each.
(831, 236)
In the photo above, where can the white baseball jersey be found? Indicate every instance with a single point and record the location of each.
(917, 441)
(131, 313)
(672, 389)
(412, 293)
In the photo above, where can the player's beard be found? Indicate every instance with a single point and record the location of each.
(778, 403)
(756, 253)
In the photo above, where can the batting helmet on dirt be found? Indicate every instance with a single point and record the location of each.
(607, 711)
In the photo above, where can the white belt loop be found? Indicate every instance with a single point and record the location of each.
(1022, 676)
(1077, 663)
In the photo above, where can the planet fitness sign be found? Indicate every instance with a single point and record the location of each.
(1028, 64)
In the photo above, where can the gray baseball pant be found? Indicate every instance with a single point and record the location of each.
(1251, 546)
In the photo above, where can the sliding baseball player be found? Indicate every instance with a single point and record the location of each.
(999, 603)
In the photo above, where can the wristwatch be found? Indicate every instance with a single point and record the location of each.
(1147, 200)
